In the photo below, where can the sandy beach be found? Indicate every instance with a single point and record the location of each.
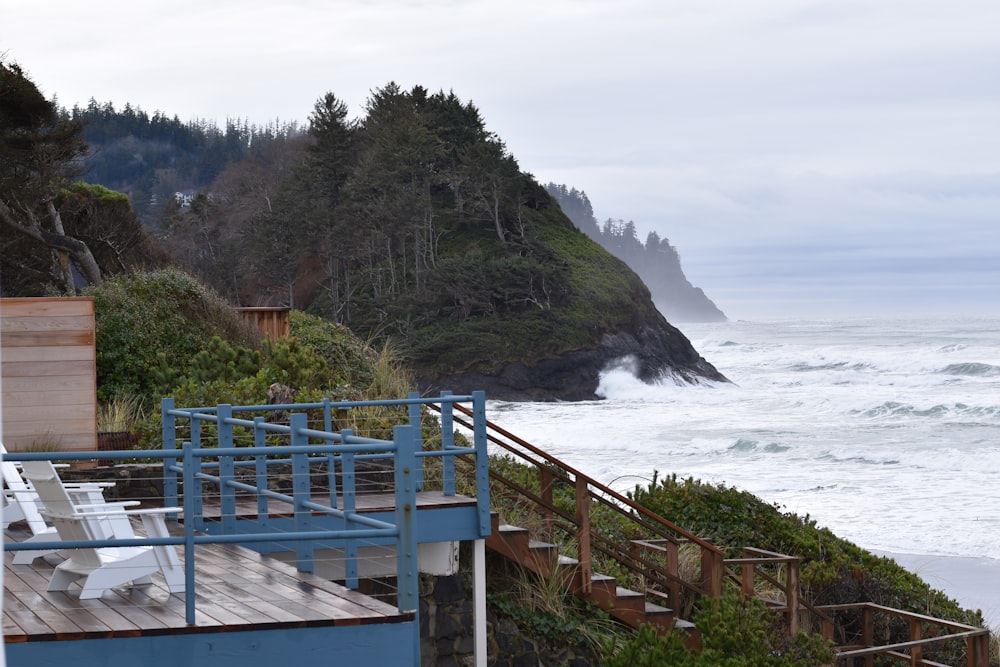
(974, 582)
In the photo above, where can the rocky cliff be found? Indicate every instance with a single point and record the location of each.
(654, 352)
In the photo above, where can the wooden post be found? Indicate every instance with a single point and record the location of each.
(917, 652)
(711, 572)
(868, 633)
(747, 571)
(978, 650)
(545, 481)
(792, 596)
(583, 535)
(673, 567)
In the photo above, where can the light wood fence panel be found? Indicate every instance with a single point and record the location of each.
(48, 373)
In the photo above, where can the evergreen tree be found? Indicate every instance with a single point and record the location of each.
(38, 150)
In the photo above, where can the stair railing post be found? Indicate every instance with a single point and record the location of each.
(916, 652)
(583, 534)
(747, 572)
(545, 482)
(978, 650)
(792, 596)
(674, 570)
(711, 571)
(868, 633)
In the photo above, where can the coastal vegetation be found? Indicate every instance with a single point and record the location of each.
(412, 225)
(415, 228)
(205, 341)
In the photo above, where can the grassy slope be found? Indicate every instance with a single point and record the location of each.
(592, 293)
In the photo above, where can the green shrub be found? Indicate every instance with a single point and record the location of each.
(736, 631)
(140, 316)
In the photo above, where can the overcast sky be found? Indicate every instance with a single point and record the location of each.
(806, 157)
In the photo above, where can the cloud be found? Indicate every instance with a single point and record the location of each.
(843, 140)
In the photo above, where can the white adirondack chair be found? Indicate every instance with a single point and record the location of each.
(102, 568)
(22, 503)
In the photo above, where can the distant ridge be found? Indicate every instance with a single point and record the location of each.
(656, 261)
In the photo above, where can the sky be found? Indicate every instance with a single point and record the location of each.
(808, 158)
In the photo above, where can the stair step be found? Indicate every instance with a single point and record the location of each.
(627, 593)
(656, 610)
(623, 603)
(511, 530)
(536, 544)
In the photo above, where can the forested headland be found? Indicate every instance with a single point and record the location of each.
(412, 223)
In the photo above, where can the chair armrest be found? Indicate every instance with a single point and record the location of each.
(117, 512)
(156, 510)
(113, 507)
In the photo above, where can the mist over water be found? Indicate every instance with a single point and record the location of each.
(885, 431)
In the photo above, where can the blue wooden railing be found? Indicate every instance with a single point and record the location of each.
(340, 450)
(350, 448)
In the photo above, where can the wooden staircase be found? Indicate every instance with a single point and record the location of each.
(560, 501)
(543, 559)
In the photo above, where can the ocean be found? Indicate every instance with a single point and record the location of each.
(885, 431)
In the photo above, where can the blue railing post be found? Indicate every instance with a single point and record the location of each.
(327, 416)
(169, 422)
(195, 494)
(227, 470)
(189, 519)
(406, 505)
(406, 548)
(331, 474)
(416, 414)
(447, 442)
(260, 472)
(301, 491)
(350, 497)
(482, 461)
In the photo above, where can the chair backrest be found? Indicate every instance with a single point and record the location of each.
(23, 495)
(58, 506)
(46, 483)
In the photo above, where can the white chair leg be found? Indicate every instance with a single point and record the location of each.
(28, 557)
(166, 556)
(61, 580)
(105, 579)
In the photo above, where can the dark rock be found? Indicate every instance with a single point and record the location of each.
(450, 625)
(653, 349)
(449, 589)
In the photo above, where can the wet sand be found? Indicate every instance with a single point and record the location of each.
(974, 582)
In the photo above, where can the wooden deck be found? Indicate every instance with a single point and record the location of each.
(366, 503)
(237, 589)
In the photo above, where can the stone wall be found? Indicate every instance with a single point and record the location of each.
(447, 639)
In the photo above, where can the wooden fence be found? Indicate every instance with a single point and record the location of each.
(48, 373)
(272, 322)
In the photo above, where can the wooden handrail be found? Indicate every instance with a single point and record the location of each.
(977, 639)
(669, 535)
(591, 482)
(587, 490)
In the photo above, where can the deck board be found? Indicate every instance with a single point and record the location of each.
(246, 507)
(236, 589)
